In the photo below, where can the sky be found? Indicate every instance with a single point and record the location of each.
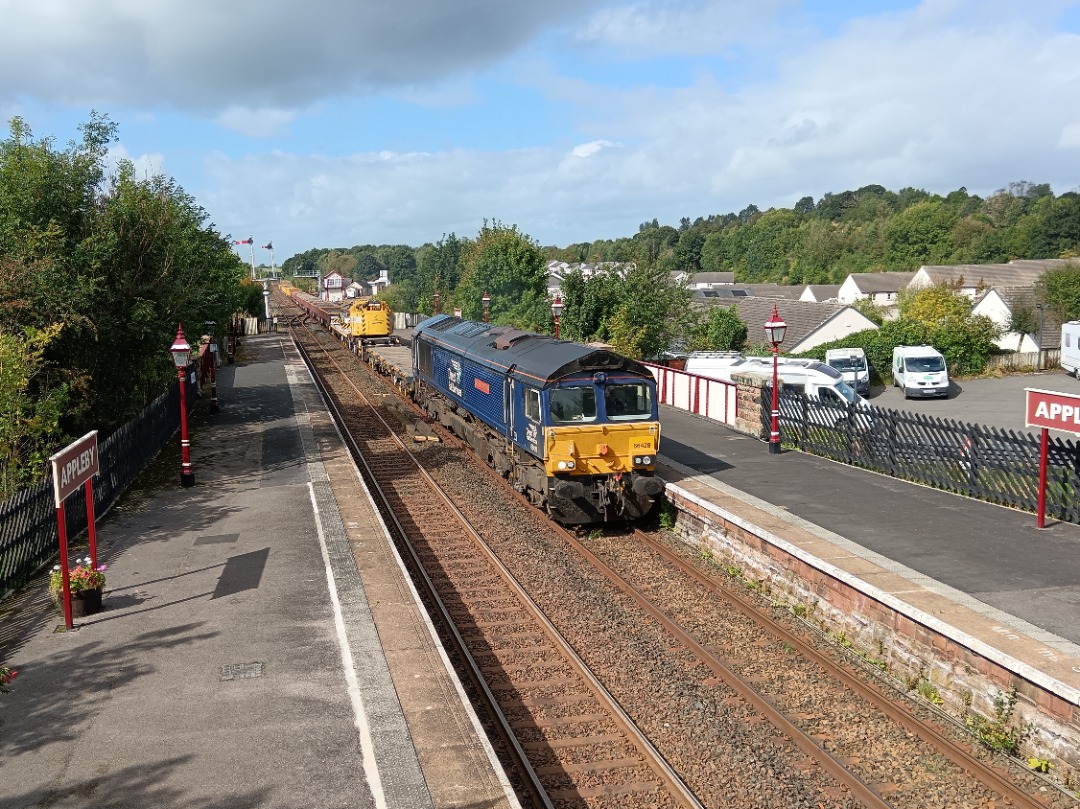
(334, 123)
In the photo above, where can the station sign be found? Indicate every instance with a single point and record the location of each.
(74, 465)
(1053, 410)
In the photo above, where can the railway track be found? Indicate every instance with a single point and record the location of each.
(570, 744)
(655, 627)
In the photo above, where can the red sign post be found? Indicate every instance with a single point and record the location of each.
(72, 467)
(1050, 410)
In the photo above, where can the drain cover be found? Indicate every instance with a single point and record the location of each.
(241, 671)
(217, 539)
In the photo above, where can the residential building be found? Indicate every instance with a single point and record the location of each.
(809, 324)
(881, 288)
(820, 293)
(974, 279)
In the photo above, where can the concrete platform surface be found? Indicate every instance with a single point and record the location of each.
(238, 660)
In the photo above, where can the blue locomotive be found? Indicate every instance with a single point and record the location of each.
(573, 427)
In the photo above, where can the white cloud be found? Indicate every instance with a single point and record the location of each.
(255, 123)
(588, 149)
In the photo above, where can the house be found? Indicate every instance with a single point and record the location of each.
(881, 288)
(558, 270)
(819, 293)
(704, 280)
(778, 291)
(332, 286)
(380, 283)
(974, 279)
(1001, 303)
(354, 290)
(809, 324)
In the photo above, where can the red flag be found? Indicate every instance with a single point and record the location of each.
(268, 246)
(248, 240)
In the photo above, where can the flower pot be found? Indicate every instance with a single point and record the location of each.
(85, 602)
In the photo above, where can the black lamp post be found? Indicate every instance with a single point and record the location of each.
(486, 300)
(210, 326)
(181, 353)
(1042, 316)
(774, 334)
(556, 312)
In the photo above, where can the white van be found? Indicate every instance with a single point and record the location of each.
(920, 371)
(1070, 347)
(852, 365)
(816, 379)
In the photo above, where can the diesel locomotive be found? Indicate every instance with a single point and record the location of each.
(573, 427)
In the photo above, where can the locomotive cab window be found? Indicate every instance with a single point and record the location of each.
(627, 402)
(572, 404)
(532, 404)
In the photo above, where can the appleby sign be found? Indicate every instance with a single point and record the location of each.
(72, 467)
(1057, 411)
(1050, 410)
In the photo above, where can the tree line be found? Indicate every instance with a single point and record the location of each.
(641, 312)
(97, 268)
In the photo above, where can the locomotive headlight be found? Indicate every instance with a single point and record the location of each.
(646, 461)
(569, 464)
(562, 465)
(642, 460)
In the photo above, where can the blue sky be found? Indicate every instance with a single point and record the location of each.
(340, 122)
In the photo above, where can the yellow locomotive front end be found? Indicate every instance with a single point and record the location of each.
(602, 449)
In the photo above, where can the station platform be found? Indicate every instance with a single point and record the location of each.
(981, 574)
(259, 643)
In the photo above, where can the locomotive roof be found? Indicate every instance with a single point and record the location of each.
(526, 355)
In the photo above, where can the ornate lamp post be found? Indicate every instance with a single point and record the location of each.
(486, 300)
(435, 297)
(556, 312)
(774, 334)
(181, 353)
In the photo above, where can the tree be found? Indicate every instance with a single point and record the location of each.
(1060, 289)
(509, 266)
(932, 305)
(651, 313)
(919, 235)
(724, 330)
(32, 400)
(941, 317)
(119, 261)
(1023, 320)
(688, 250)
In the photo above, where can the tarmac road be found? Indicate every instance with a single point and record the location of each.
(996, 402)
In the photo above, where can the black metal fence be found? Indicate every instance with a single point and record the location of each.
(29, 537)
(985, 463)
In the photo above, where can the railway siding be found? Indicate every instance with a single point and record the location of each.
(926, 638)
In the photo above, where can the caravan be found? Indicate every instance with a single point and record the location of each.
(920, 371)
(1070, 347)
(824, 387)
